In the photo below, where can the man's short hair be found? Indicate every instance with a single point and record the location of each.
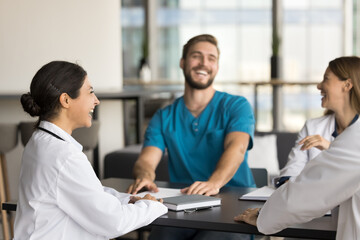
(200, 38)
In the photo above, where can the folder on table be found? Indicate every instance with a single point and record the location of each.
(191, 202)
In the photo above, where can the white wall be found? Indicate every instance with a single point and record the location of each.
(34, 32)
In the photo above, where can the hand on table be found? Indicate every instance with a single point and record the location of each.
(202, 188)
(142, 183)
(314, 141)
(249, 216)
(134, 199)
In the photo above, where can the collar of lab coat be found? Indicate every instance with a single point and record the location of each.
(61, 133)
(335, 133)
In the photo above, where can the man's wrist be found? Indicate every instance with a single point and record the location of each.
(216, 184)
(146, 175)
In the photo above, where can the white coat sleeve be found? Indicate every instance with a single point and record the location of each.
(297, 158)
(124, 198)
(81, 196)
(326, 181)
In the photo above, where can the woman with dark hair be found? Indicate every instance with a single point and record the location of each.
(330, 179)
(60, 196)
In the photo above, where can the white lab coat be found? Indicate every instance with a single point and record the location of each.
(329, 180)
(60, 196)
(323, 126)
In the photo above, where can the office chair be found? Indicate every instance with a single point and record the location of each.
(8, 141)
(260, 176)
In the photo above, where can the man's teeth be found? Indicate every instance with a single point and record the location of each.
(201, 72)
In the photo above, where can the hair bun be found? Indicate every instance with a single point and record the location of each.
(29, 105)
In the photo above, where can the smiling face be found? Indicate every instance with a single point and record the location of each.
(201, 65)
(82, 108)
(332, 91)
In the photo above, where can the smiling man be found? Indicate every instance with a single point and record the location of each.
(206, 132)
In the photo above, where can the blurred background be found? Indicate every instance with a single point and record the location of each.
(273, 52)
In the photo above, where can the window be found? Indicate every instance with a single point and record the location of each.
(356, 26)
(313, 33)
(133, 42)
(243, 30)
(312, 36)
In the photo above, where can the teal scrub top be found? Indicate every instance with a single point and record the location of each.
(195, 144)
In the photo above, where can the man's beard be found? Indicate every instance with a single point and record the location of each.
(197, 85)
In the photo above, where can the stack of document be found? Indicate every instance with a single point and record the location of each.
(260, 194)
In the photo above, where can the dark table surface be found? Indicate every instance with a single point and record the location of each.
(221, 218)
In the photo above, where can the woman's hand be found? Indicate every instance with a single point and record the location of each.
(314, 141)
(134, 199)
(249, 216)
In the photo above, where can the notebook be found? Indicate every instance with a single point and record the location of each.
(191, 202)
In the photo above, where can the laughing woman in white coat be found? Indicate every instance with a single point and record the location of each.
(333, 177)
(314, 137)
(60, 196)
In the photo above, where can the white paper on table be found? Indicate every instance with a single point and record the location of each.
(263, 194)
(260, 194)
(162, 193)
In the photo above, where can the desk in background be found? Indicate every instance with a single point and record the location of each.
(135, 93)
(138, 93)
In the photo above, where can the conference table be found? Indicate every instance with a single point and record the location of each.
(221, 218)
